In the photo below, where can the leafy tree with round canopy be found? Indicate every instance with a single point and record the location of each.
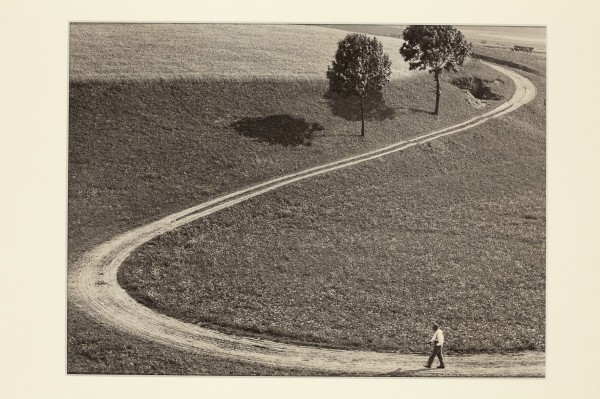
(437, 48)
(360, 68)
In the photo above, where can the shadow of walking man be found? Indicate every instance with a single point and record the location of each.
(413, 372)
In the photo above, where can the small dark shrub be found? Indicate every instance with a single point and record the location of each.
(479, 88)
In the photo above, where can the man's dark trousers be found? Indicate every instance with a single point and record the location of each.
(437, 351)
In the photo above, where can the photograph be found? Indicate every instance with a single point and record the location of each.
(344, 200)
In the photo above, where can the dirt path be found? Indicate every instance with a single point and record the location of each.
(93, 288)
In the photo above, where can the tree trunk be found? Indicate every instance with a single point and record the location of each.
(362, 113)
(438, 92)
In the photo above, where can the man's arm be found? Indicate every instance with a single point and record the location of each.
(434, 338)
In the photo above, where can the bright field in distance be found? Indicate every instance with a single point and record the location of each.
(201, 51)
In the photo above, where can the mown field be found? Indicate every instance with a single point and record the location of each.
(366, 257)
(378, 30)
(142, 147)
(141, 150)
(506, 36)
(533, 62)
(487, 35)
(203, 51)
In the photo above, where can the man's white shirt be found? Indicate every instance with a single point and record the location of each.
(438, 336)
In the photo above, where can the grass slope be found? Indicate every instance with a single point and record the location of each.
(506, 36)
(488, 35)
(529, 62)
(201, 51)
(144, 149)
(379, 30)
(96, 349)
(454, 231)
(141, 150)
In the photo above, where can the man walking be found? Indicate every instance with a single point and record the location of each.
(438, 343)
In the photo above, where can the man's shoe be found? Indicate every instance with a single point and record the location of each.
(440, 367)
(427, 366)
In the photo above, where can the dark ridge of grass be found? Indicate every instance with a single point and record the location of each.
(378, 30)
(365, 258)
(190, 79)
(142, 150)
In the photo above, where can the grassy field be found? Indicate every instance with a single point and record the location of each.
(205, 51)
(490, 42)
(506, 36)
(139, 150)
(142, 147)
(454, 230)
(488, 35)
(378, 30)
(533, 62)
(96, 349)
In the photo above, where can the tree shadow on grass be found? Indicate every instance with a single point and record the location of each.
(284, 130)
(348, 107)
(419, 111)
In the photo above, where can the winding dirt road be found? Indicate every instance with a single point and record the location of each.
(93, 288)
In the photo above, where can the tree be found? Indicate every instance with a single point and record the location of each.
(437, 48)
(360, 68)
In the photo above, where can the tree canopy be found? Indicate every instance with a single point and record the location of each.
(360, 67)
(436, 48)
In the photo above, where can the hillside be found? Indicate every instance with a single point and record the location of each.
(202, 111)
(489, 35)
(205, 51)
(140, 148)
(363, 258)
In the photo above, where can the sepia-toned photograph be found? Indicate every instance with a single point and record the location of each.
(306, 200)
